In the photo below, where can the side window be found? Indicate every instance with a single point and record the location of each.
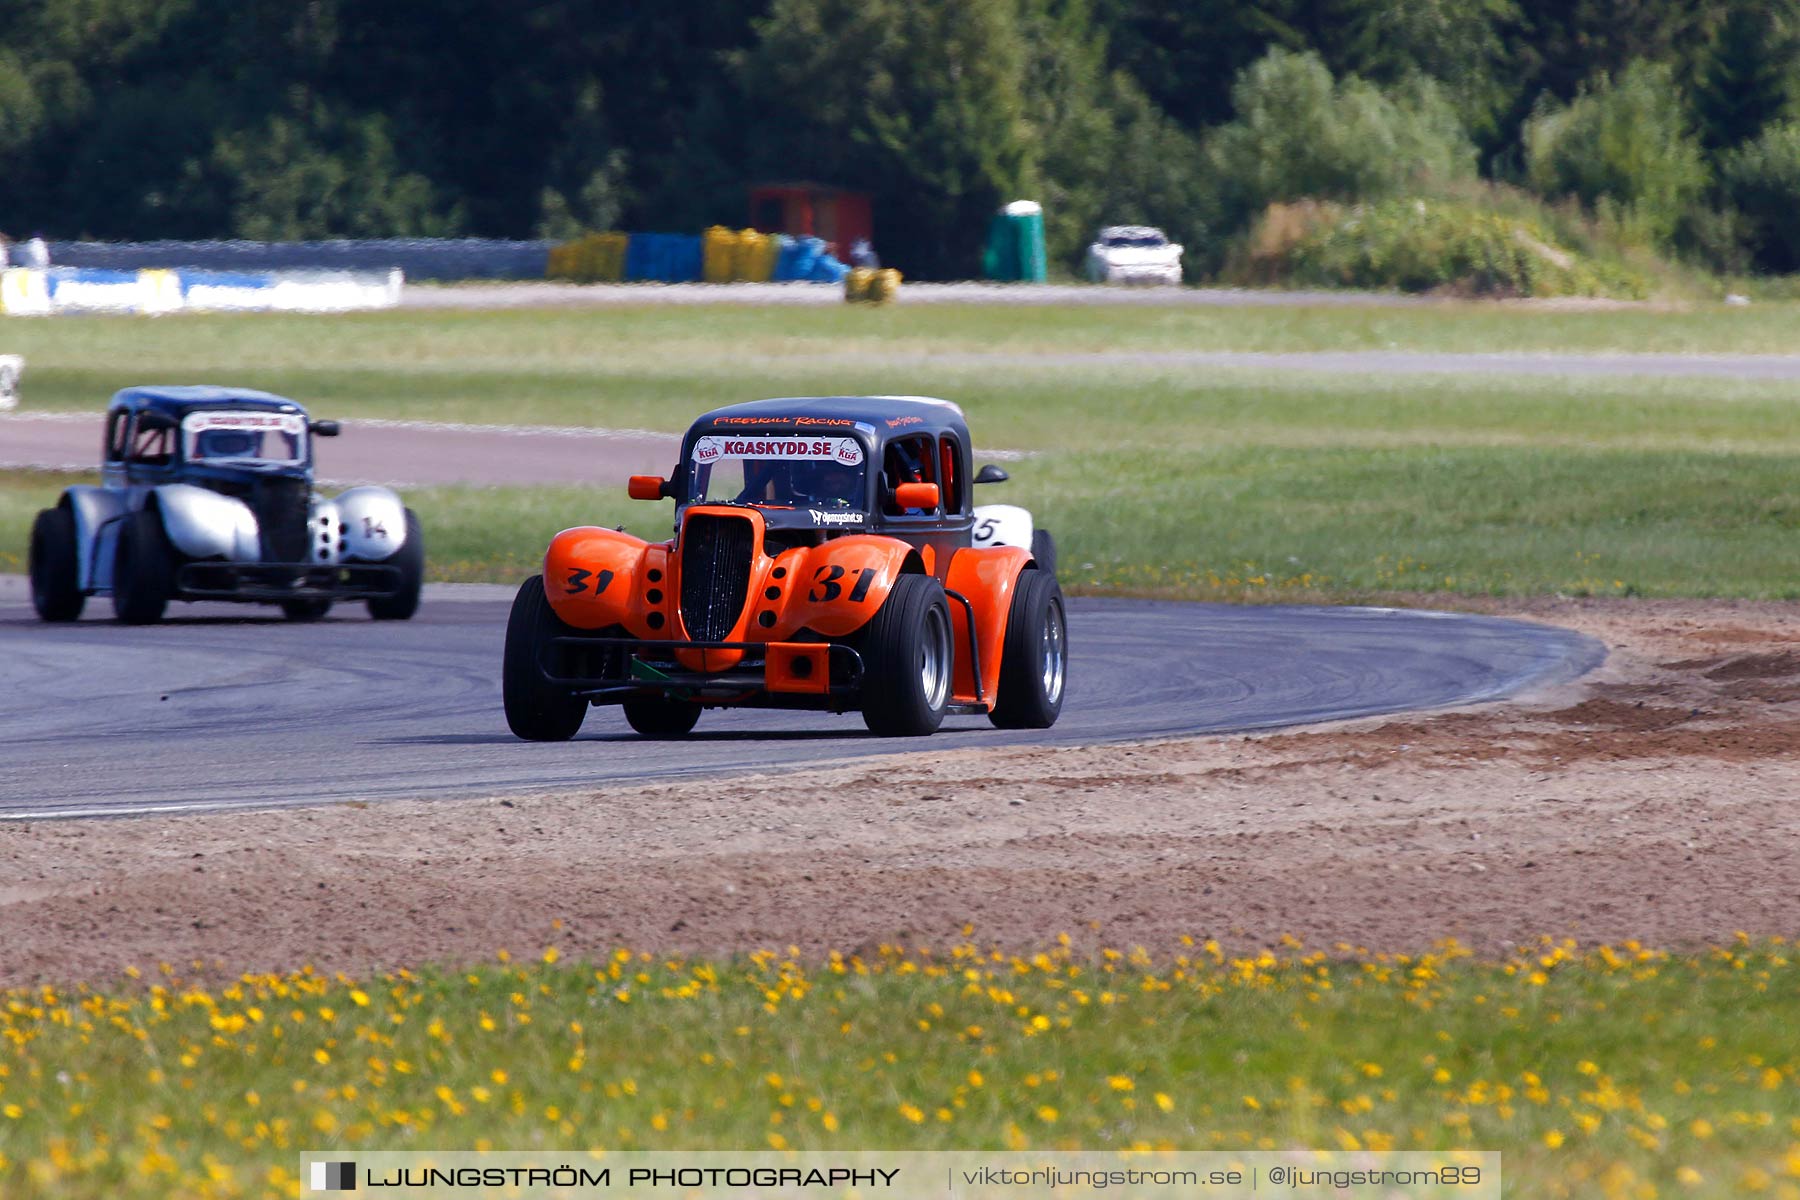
(950, 474)
(153, 447)
(118, 426)
(907, 460)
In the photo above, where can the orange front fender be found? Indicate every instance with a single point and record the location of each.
(986, 578)
(597, 578)
(833, 588)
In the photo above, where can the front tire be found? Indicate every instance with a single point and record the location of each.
(908, 660)
(1034, 660)
(535, 710)
(143, 569)
(661, 716)
(410, 558)
(305, 610)
(55, 580)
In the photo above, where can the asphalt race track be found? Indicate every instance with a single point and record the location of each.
(227, 706)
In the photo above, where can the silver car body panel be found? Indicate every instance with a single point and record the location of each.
(373, 523)
(364, 524)
(1002, 525)
(97, 511)
(205, 524)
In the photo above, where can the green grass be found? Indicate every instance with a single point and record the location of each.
(653, 366)
(1269, 485)
(1162, 475)
(1594, 1073)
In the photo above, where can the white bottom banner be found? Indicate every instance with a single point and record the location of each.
(908, 1175)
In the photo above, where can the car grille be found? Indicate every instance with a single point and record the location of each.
(715, 574)
(282, 512)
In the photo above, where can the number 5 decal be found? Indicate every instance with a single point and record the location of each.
(985, 531)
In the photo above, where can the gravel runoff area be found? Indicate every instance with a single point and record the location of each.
(1653, 800)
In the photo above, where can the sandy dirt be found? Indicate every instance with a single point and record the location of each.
(1657, 799)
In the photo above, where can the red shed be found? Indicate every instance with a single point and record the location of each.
(812, 210)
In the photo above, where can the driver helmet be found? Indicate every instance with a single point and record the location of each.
(227, 443)
(828, 482)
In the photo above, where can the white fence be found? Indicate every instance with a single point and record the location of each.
(33, 292)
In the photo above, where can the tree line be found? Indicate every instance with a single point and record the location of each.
(1674, 122)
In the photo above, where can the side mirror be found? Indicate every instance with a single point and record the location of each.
(325, 428)
(916, 495)
(647, 487)
(991, 474)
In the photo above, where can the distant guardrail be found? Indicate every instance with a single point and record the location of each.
(28, 291)
(419, 258)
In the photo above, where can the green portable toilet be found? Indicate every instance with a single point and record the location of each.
(1015, 246)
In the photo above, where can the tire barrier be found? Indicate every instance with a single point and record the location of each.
(34, 292)
(867, 285)
(595, 258)
(720, 255)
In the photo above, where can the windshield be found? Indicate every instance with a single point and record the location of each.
(1143, 240)
(820, 473)
(278, 438)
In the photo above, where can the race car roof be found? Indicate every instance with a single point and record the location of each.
(882, 413)
(177, 401)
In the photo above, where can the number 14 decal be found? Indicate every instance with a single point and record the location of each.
(828, 588)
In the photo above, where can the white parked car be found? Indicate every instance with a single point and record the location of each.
(1134, 254)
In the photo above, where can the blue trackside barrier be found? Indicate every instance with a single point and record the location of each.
(419, 258)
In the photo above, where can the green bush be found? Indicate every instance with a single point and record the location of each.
(1624, 149)
(1763, 178)
(1299, 133)
(1419, 245)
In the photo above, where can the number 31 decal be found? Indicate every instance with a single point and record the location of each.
(578, 581)
(828, 588)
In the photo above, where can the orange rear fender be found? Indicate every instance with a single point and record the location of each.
(833, 588)
(986, 578)
(596, 578)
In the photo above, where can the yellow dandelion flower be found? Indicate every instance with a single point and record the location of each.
(1047, 1114)
(1701, 1128)
(321, 1056)
(1120, 1083)
(912, 1113)
(1251, 1102)
(1688, 1175)
(830, 1122)
(551, 954)
(1553, 1138)
(1164, 1102)
(359, 997)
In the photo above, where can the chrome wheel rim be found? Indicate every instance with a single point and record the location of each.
(934, 658)
(1054, 668)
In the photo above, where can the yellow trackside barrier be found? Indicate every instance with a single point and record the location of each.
(866, 285)
(754, 261)
(883, 287)
(718, 254)
(593, 258)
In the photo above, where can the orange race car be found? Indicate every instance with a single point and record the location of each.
(828, 555)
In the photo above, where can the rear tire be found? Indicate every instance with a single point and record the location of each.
(661, 716)
(410, 558)
(143, 569)
(1043, 549)
(55, 579)
(908, 660)
(535, 710)
(305, 610)
(1034, 661)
